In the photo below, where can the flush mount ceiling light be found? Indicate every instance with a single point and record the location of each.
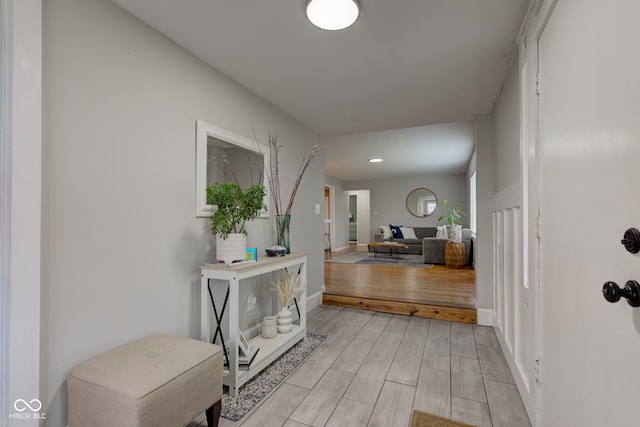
(333, 14)
(375, 160)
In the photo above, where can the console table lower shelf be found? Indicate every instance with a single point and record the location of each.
(270, 350)
(215, 276)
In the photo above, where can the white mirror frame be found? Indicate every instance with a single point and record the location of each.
(205, 130)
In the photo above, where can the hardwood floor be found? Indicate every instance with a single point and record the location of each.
(374, 369)
(437, 292)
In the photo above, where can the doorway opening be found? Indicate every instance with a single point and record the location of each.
(329, 220)
(353, 219)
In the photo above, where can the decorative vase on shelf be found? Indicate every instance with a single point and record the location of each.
(282, 231)
(284, 321)
(269, 327)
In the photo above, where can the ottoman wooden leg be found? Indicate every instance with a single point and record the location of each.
(213, 414)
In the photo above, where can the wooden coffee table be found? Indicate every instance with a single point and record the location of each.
(394, 248)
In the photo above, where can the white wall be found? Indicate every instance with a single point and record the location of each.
(389, 196)
(121, 246)
(341, 220)
(485, 167)
(21, 128)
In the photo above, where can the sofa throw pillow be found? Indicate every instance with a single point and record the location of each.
(408, 233)
(441, 232)
(386, 232)
(466, 234)
(396, 232)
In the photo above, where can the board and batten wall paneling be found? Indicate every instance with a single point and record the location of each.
(512, 302)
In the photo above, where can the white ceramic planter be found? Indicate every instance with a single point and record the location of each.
(455, 233)
(233, 248)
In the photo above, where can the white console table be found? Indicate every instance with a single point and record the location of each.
(270, 349)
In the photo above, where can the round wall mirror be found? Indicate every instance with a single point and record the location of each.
(421, 202)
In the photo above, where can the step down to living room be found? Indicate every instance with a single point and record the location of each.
(453, 314)
(435, 292)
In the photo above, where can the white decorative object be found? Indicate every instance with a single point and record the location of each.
(441, 232)
(386, 232)
(243, 344)
(408, 233)
(284, 321)
(233, 248)
(455, 233)
(269, 327)
(287, 286)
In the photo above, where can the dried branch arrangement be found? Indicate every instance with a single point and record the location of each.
(273, 178)
(287, 286)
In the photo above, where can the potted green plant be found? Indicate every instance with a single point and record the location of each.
(234, 207)
(452, 218)
(454, 251)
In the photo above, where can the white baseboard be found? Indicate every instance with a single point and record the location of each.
(484, 316)
(343, 248)
(314, 301)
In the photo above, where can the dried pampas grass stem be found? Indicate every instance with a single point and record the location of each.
(287, 286)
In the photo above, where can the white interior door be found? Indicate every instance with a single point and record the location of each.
(590, 193)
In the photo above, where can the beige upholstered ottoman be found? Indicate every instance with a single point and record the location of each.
(161, 380)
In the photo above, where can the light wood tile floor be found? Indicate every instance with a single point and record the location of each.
(374, 369)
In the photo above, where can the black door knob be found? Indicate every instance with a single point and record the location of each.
(631, 291)
(631, 240)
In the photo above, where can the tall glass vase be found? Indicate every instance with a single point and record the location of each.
(282, 231)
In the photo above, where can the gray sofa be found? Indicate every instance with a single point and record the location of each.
(415, 245)
(433, 249)
(426, 244)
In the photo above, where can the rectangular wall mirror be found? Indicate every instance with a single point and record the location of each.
(222, 156)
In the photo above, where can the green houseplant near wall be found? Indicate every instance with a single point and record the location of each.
(234, 207)
(455, 251)
(452, 217)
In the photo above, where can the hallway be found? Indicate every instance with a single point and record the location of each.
(374, 369)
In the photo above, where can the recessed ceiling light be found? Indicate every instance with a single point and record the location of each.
(375, 160)
(333, 14)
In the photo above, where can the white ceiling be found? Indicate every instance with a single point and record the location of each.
(443, 148)
(403, 64)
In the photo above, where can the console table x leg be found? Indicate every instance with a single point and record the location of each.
(219, 320)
